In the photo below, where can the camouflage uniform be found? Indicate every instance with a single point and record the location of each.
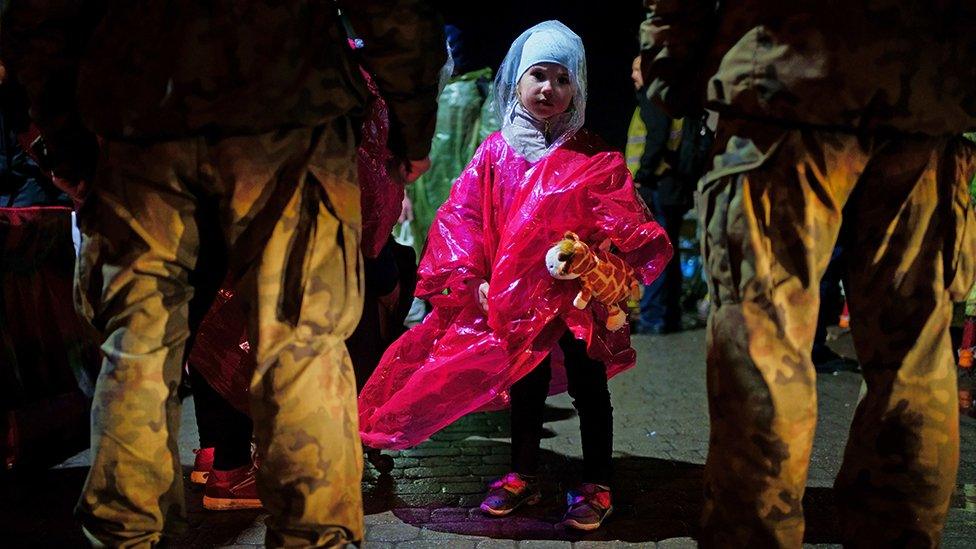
(821, 123)
(971, 298)
(199, 148)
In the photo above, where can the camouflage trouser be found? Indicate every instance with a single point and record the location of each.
(771, 210)
(151, 207)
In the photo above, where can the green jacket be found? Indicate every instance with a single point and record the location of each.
(162, 69)
(885, 65)
(463, 122)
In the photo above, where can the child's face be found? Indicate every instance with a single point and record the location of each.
(545, 90)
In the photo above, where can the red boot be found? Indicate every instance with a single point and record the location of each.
(202, 465)
(234, 489)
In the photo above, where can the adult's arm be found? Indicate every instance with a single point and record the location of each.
(404, 50)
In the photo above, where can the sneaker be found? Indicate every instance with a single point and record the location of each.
(589, 506)
(509, 493)
(202, 465)
(234, 489)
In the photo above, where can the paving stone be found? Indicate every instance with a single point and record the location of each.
(463, 488)
(386, 517)
(448, 514)
(497, 544)
(435, 499)
(392, 532)
(367, 544)
(456, 543)
(432, 452)
(677, 543)
(414, 487)
(254, 535)
(613, 545)
(544, 544)
(431, 498)
(412, 515)
(957, 543)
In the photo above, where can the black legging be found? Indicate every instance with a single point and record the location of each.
(221, 426)
(588, 386)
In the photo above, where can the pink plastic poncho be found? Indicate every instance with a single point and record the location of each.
(501, 217)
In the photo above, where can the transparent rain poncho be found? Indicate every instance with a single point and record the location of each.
(503, 213)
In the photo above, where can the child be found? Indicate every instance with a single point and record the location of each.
(498, 314)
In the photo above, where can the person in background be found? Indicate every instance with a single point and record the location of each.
(465, 116)
(831, 114)
(22, 183)
(48, 363)
(229, 131)
(673, 158)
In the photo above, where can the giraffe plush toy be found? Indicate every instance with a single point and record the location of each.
(603, 276)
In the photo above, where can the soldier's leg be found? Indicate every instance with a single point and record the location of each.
(771, 215)
(909, 213)
(140, 245)
(305, 297)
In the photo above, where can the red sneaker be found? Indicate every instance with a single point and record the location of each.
(234, 489)
(202, 465)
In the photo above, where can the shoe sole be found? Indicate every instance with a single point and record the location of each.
(587, 527)
(502, 512)
(199, 477)
(230, 504)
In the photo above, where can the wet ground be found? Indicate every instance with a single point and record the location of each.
(431, 497)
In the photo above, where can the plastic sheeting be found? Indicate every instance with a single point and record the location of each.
(502, 215)
(462, 124)
(221, 350)
(971, 299)
(380, 194)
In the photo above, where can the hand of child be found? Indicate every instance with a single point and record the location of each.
(406, 210)
(483, 296)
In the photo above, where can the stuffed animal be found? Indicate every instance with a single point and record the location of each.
(603, 276)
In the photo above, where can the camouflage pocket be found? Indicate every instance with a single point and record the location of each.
(718, 202)
(333, 164)
(960, 253)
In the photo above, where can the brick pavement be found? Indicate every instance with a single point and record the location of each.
(431, 498)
